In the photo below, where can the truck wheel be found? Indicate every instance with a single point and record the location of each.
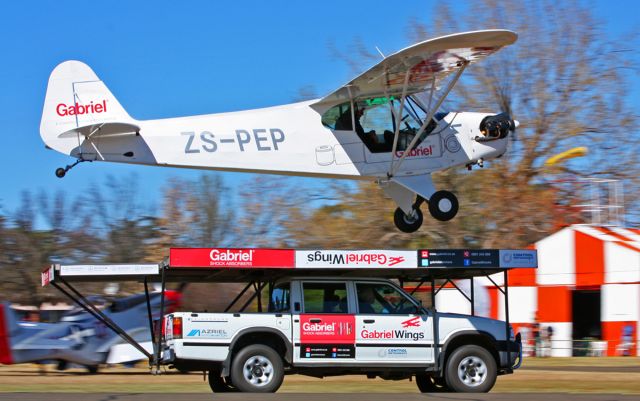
(471, 369)
(218, 383)
(257, 369)
(429, 384)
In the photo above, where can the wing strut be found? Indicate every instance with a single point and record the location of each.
(398, 116)
(394, 167)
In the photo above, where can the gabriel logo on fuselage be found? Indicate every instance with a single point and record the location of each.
(425, 151)
(78, 109)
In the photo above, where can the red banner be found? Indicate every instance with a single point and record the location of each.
(46, 276)
(327, 329)
(231, 257)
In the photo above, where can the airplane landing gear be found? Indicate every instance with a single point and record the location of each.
(61, 172)
(443, 205)
(408, 223)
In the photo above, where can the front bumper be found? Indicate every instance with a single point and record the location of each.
(511, 354)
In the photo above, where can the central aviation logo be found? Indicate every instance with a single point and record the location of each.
(342, 258)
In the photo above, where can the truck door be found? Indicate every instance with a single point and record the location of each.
(388, 327)
(323, 328)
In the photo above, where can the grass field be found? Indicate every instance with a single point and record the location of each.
(576, 375)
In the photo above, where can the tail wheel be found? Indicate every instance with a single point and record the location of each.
(408, 223)
(257, 369)
(443, 205)
(471, 369)
(218, 383)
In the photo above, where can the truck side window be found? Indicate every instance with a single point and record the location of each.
(377, 298)
(280, 298)
(325, 297)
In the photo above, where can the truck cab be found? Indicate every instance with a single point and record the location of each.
(326, 326)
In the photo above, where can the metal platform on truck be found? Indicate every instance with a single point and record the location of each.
(261, 267)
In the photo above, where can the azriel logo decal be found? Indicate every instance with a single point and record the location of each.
(413, 322)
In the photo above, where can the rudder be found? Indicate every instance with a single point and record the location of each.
(76, 97)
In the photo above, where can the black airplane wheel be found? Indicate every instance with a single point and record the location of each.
(408, 223)
(443, 205)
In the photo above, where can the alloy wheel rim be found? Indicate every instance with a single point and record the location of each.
(258, 370)
(472, 371)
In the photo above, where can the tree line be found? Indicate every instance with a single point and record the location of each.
(566, 82)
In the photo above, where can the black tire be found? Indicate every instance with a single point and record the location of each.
(60, 172)
(471, 369)
(429, 384)
(405, 223)
(92, 369)
(218, 383)
(257, 369)
(435, 205)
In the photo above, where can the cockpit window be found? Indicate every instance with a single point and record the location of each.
(375, 122)
(340, 112)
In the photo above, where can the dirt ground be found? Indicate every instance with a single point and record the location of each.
(550, 375)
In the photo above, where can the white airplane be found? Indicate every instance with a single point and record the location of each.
(384, 126)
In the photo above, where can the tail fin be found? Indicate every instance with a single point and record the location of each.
(8, 327)
(75, 98)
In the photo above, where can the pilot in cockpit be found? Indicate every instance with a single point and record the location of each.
(344, 123)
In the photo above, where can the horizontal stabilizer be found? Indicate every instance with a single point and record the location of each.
(102, 130)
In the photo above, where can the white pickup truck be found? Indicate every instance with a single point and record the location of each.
(335, 326)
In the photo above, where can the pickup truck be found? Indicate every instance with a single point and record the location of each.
(336, 326)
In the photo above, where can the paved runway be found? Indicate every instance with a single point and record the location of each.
(316, 397)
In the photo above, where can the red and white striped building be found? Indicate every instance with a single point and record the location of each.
(587, 285)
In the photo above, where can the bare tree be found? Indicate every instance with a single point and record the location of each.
(566, 84)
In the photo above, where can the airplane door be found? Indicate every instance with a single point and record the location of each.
(387, 328)
(323, 328)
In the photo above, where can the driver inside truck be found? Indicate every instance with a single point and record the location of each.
(368, 301)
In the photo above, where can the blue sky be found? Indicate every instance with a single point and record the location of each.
(163, 59)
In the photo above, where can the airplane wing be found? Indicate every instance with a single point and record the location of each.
(428, 61)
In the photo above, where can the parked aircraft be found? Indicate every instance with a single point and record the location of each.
(78, 338)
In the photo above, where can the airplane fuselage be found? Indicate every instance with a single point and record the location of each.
(287, 140)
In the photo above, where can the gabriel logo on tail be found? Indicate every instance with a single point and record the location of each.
(78, 109)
